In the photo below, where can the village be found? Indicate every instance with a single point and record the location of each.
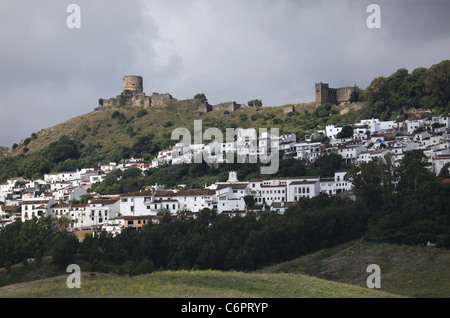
(58, 194)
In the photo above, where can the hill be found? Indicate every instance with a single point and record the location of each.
(192, 284)
(108, 127)
(412, 271)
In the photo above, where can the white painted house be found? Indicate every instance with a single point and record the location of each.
(36, 207)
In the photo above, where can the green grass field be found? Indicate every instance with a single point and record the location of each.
(192, 284)
(412, 271)
(339, 272)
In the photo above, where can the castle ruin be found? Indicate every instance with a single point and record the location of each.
(133, 95)
(325, 95)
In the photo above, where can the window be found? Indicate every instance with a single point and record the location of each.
(124, 200)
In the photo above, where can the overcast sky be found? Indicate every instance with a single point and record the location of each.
(230, 50)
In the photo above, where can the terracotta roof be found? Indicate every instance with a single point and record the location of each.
(64, 205)
(304, 182)
(79, 205)
(165, 193)
(105, 201)
(196, 192)
(282, 204)
(138, 194)
(283, 178)
(8, 208)
(232, 185)
(142, 217)
(34, 202)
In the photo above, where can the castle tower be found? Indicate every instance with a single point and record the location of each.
(322, 90)
(132, 85)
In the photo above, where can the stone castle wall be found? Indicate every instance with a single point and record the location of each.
(324, 94)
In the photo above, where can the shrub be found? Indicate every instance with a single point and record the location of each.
(115, 114)
(141, 113)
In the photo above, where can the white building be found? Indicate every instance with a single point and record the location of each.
(412, 125)
(438, 162)
(195, 200)
(308, 188)
(136, 203)
(331, 131)
(36, 207)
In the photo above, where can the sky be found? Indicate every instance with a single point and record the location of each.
(230, 50)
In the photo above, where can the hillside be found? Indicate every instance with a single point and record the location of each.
(105, 131)
(413, 271)
(191, 284)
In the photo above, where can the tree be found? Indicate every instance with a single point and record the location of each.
(63, 149)
(201, 97)
(355, 96)
(132, 172)
(249, 200)
(413, 171)
(346, 132)
(437, 84)
(325, 166)
(373, 183)
(378, 94)
(255, 102)
(445, 171)
(396, 79)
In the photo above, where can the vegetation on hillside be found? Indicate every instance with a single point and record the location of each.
(422, 88)
(412, 271)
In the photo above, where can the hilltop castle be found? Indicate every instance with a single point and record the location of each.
(133, 95)
(324, 94)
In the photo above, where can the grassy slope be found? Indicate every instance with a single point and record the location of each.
(98, 128)
(192, 284)
(412, 271)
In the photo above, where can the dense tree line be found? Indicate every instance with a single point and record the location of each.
(422, 88)
(68, 154)
(408, 204)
